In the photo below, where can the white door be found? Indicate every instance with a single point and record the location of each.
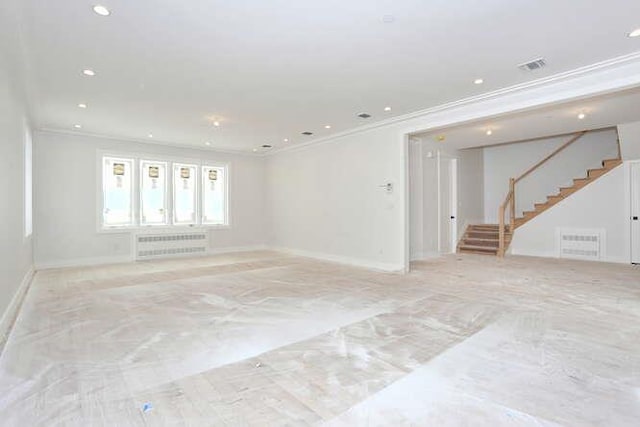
(447, 203)
(635, 213)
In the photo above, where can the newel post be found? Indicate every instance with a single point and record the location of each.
(512, 190)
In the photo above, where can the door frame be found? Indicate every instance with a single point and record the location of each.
(633, 165)
(453, 200)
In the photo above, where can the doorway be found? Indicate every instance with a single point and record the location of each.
(447, 204)
(635, 213)
(433, 200)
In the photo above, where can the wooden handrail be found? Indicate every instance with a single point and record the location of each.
(510, 200)
(512, 213)
(501, 221)
(546, 159)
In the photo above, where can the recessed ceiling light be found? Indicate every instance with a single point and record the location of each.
(88, 72)
(286, 140)
(489, 132)
(82, 105)
(150, 135)
(581, 116)
(207, 143)
(387, 108)
(254, 150)
(478, 81)
(77, 126)
(327, 126)
(441, 138)
(634, 33)
(216, 123)
(101, 10)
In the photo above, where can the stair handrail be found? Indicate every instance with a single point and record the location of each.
(501, 221)
(552, 155)
(510, 200)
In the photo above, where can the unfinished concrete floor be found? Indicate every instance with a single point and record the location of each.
(267, 339)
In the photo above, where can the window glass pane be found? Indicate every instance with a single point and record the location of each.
(184, 194)
(214, 193)
(153, 189)
(117, 187)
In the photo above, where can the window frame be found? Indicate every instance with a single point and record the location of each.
(197, 195)
(225, 168)
(167, 219)
(169, 160)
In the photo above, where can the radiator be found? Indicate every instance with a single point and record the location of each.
(164, 245)
(585, 244)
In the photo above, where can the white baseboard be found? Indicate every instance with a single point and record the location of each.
(11, 313)
(232, 249)
(122, 259)
(421, 256)
(83, 262)
(554, 254)
(356, 262)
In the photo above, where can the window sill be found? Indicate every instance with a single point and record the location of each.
(160, 228)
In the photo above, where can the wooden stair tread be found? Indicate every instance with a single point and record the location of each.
(564, 192)
(611, 163)
(478, 248)
(482, 239)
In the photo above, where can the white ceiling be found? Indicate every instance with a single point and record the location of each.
(268, 70)
(600, 112)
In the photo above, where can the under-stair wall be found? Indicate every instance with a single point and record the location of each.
(602, 205)
(629, 140)
(511, 160)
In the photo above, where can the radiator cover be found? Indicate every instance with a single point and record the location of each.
(166, 245)
(576, 243)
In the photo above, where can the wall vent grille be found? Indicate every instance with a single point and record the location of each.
(536, 64)
(149, 246)
(581, 244)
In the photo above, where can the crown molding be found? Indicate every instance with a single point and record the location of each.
(141, 141)
(591, 70)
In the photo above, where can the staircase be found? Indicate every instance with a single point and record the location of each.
(486, 238)
(482, 239)
(564, 192)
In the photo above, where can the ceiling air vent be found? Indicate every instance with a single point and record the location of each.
(533, 65)
(364, 115)
(307, 133)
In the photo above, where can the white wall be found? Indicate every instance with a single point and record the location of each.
(602, 204)
(15, 248)
(423, 194)
(65, 180)
(470, 188)
(506, 161)
(630, 140)
(326, 200)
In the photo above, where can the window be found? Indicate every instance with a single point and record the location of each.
(117, 181)
(185, 194)
(159, 193)
(153, 193)
(214, 190)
